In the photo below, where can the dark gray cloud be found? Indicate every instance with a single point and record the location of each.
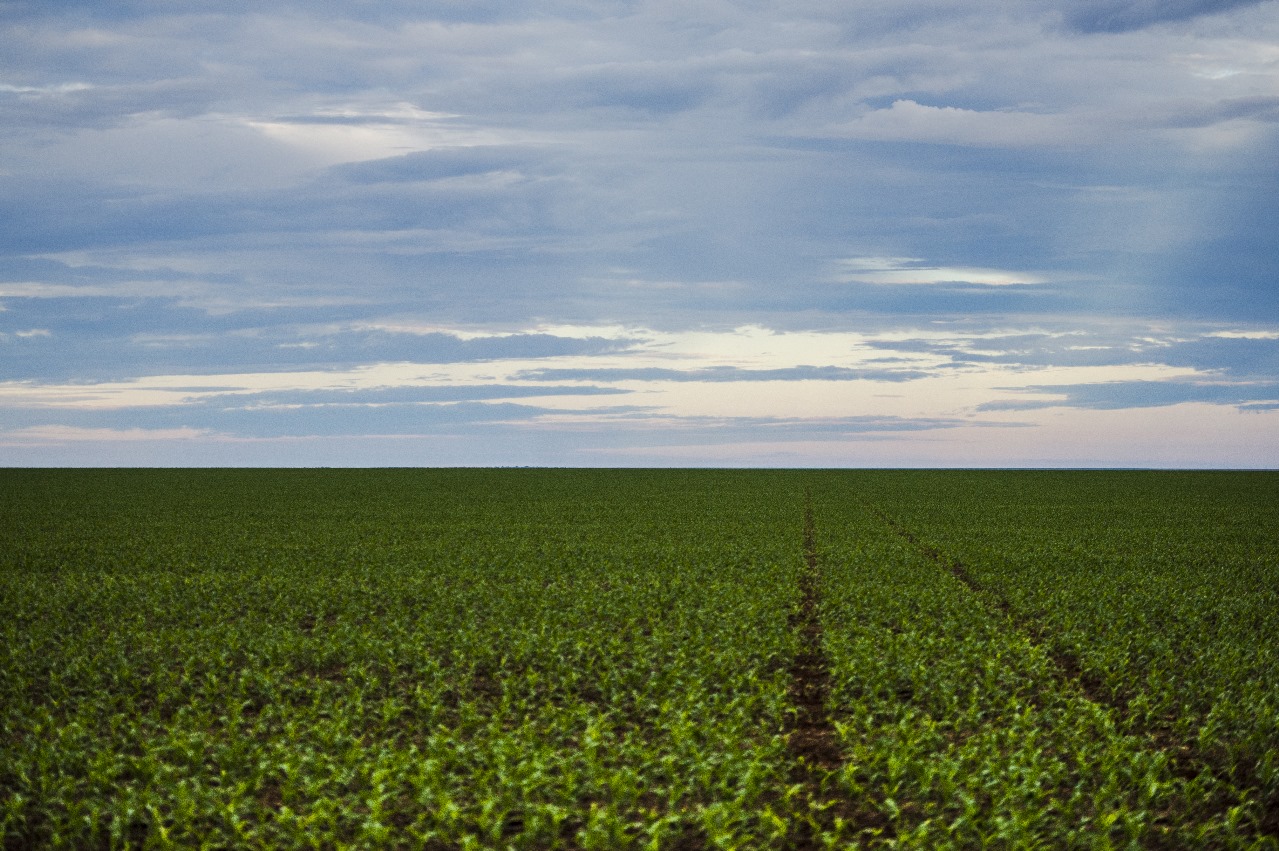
(1118, 395)
(1259, 107)
(1113, 16)
(407, 395)
(423, 412)
(111, 338)
(442, 164)
(728, 430)
(264, 416)
(1233, 357)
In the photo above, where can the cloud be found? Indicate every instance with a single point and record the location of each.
(407, 395)
(1114, 16)
(1124, 395)
(259, 417)
(910, 271)
(908, 121)
(102, 337)
(722, 374)
(50, 90)
(443, 164)
(564, 228)
(72, 434)
(1250, 355)
(1236, 354)
(359, 134)
(1257, 108)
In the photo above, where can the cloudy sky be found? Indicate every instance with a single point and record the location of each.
(640, 233)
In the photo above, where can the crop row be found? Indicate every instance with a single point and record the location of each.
(465, 666)
(623, 659)
(960, 730)
(1159, 588)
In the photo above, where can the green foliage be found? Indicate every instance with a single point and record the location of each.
(358, 659)
(604, 659)
(1121, 626)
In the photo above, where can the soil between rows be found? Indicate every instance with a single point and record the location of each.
(812, 739)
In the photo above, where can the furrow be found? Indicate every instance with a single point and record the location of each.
(812, 739)
(1072, 671)
(1185, 759)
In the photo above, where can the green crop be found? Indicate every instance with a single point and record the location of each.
(533, 659)
(1156, 591)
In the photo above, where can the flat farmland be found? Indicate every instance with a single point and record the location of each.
(684, 659)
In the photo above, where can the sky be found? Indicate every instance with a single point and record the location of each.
(882, 233)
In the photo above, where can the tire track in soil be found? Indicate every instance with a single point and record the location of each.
(812, 739)
(1069, 667)
(1184, 758)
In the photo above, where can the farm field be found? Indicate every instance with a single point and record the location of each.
(679, 659)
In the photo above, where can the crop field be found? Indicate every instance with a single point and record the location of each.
(613, 659)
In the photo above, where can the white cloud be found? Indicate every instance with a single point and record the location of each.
(355, 133)
(906, 270)
(52, 89)
(422, 329)
(54, 434)
(1245, 335)
(911, 384)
